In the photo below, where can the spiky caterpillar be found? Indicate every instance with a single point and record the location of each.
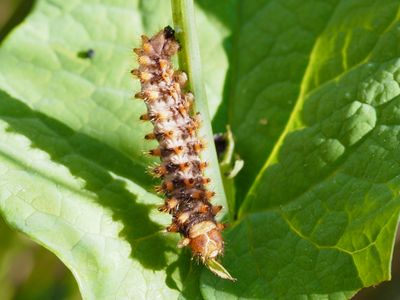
(169, 108)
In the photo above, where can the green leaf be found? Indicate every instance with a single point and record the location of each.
(320, 218)
(312, 95)
(77, 197)
(72, 163)
(271, 51)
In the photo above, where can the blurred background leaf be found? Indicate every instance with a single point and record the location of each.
(28, 271)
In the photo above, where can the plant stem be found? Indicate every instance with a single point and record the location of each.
(190, 62)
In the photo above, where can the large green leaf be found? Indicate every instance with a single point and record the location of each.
(319, 220)
(271, 52)
(312, 95)
(71, 157)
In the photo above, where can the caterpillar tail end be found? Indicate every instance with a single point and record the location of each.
(218, 269)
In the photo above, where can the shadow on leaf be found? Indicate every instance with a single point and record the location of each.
(93, 161)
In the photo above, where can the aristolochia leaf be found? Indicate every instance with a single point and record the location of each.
(72, 164)
(320, 218)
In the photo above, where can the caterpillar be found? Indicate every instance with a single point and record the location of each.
(175, 128)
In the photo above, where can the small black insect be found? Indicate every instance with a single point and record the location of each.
(220, 144)
(86, 53)
(169, 32)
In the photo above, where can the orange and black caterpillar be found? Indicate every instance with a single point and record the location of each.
(169, 109)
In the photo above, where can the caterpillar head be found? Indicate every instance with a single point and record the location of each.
(169, 32)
